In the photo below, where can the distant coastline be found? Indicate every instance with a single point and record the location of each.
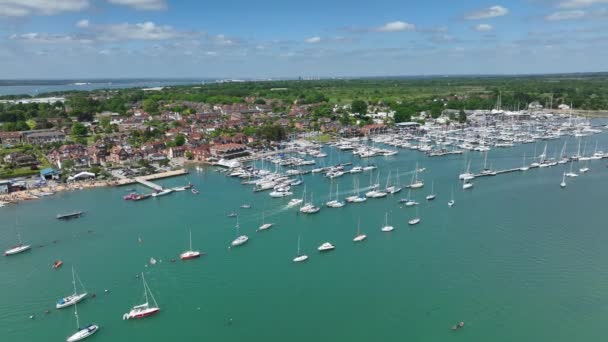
(38, 87)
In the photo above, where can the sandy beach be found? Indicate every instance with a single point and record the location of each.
(37, 193)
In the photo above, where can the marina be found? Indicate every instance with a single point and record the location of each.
(475, 234)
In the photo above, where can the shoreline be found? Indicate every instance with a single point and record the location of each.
(38, 193)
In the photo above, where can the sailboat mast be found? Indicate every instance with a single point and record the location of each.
(76, 314)
(145, 287)
(73, 280)
(190, 239)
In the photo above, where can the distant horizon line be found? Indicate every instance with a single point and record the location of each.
(300, 77)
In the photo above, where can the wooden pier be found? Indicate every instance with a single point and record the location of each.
(146, 180)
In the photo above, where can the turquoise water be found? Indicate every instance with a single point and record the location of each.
(517, 258)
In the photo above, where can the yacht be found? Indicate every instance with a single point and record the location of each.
(392, 189)
(570, 173)
(294, 202)
(451, 202)
(415, 220)
(20, 248)
(356, 169)
(241, 239)
(82, 332)
(264, 225)
(386, 228)
(356, 198)
(409, 202)
(309, 208)
(416, 184)
(467, 175)
(466, 185)
(190, 254)
(300, 257)
(334, 203)
(563, 183)
(280, 194)
(524, 167)
(432, 195)
(359, 237)
(145, 309)
(74, 297)
(326, 247)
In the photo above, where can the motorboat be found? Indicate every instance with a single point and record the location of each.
(279, 194)
(326, 247)
(413, 222)
(294, 202)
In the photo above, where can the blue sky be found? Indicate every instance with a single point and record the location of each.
(271, 38)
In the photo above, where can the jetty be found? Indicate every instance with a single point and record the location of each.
(148, 184)
(146, 180)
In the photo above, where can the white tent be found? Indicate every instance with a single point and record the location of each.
(82, 175)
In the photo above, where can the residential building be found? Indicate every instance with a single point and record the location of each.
(228, 151)
(10, 138)
(39, 137)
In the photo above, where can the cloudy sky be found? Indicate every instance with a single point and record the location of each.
(282, 38)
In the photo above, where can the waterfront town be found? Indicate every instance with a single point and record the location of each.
(101, 148)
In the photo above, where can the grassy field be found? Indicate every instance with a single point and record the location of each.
(20, 172)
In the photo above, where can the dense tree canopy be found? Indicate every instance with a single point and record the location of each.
(358, 106)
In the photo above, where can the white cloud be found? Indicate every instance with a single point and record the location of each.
(580, 3)
(221, 39)
(140, 31)
(486, 13)
(565, 15)
(396, 26)
(313, 40)
(84, 23)
(144, 5)
(46, 38)
(22, 8)
(483, 28)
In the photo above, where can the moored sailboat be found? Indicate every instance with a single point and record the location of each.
(300, 257)
(74, 297)
(241, 239)
(145, 309)
(190, 254)
(432, 195)
(20, 247)
(359, 237)
(386, 228)
(415, 220)
(264, 225)
(82, 332)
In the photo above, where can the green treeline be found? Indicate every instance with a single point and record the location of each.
(407, 96)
